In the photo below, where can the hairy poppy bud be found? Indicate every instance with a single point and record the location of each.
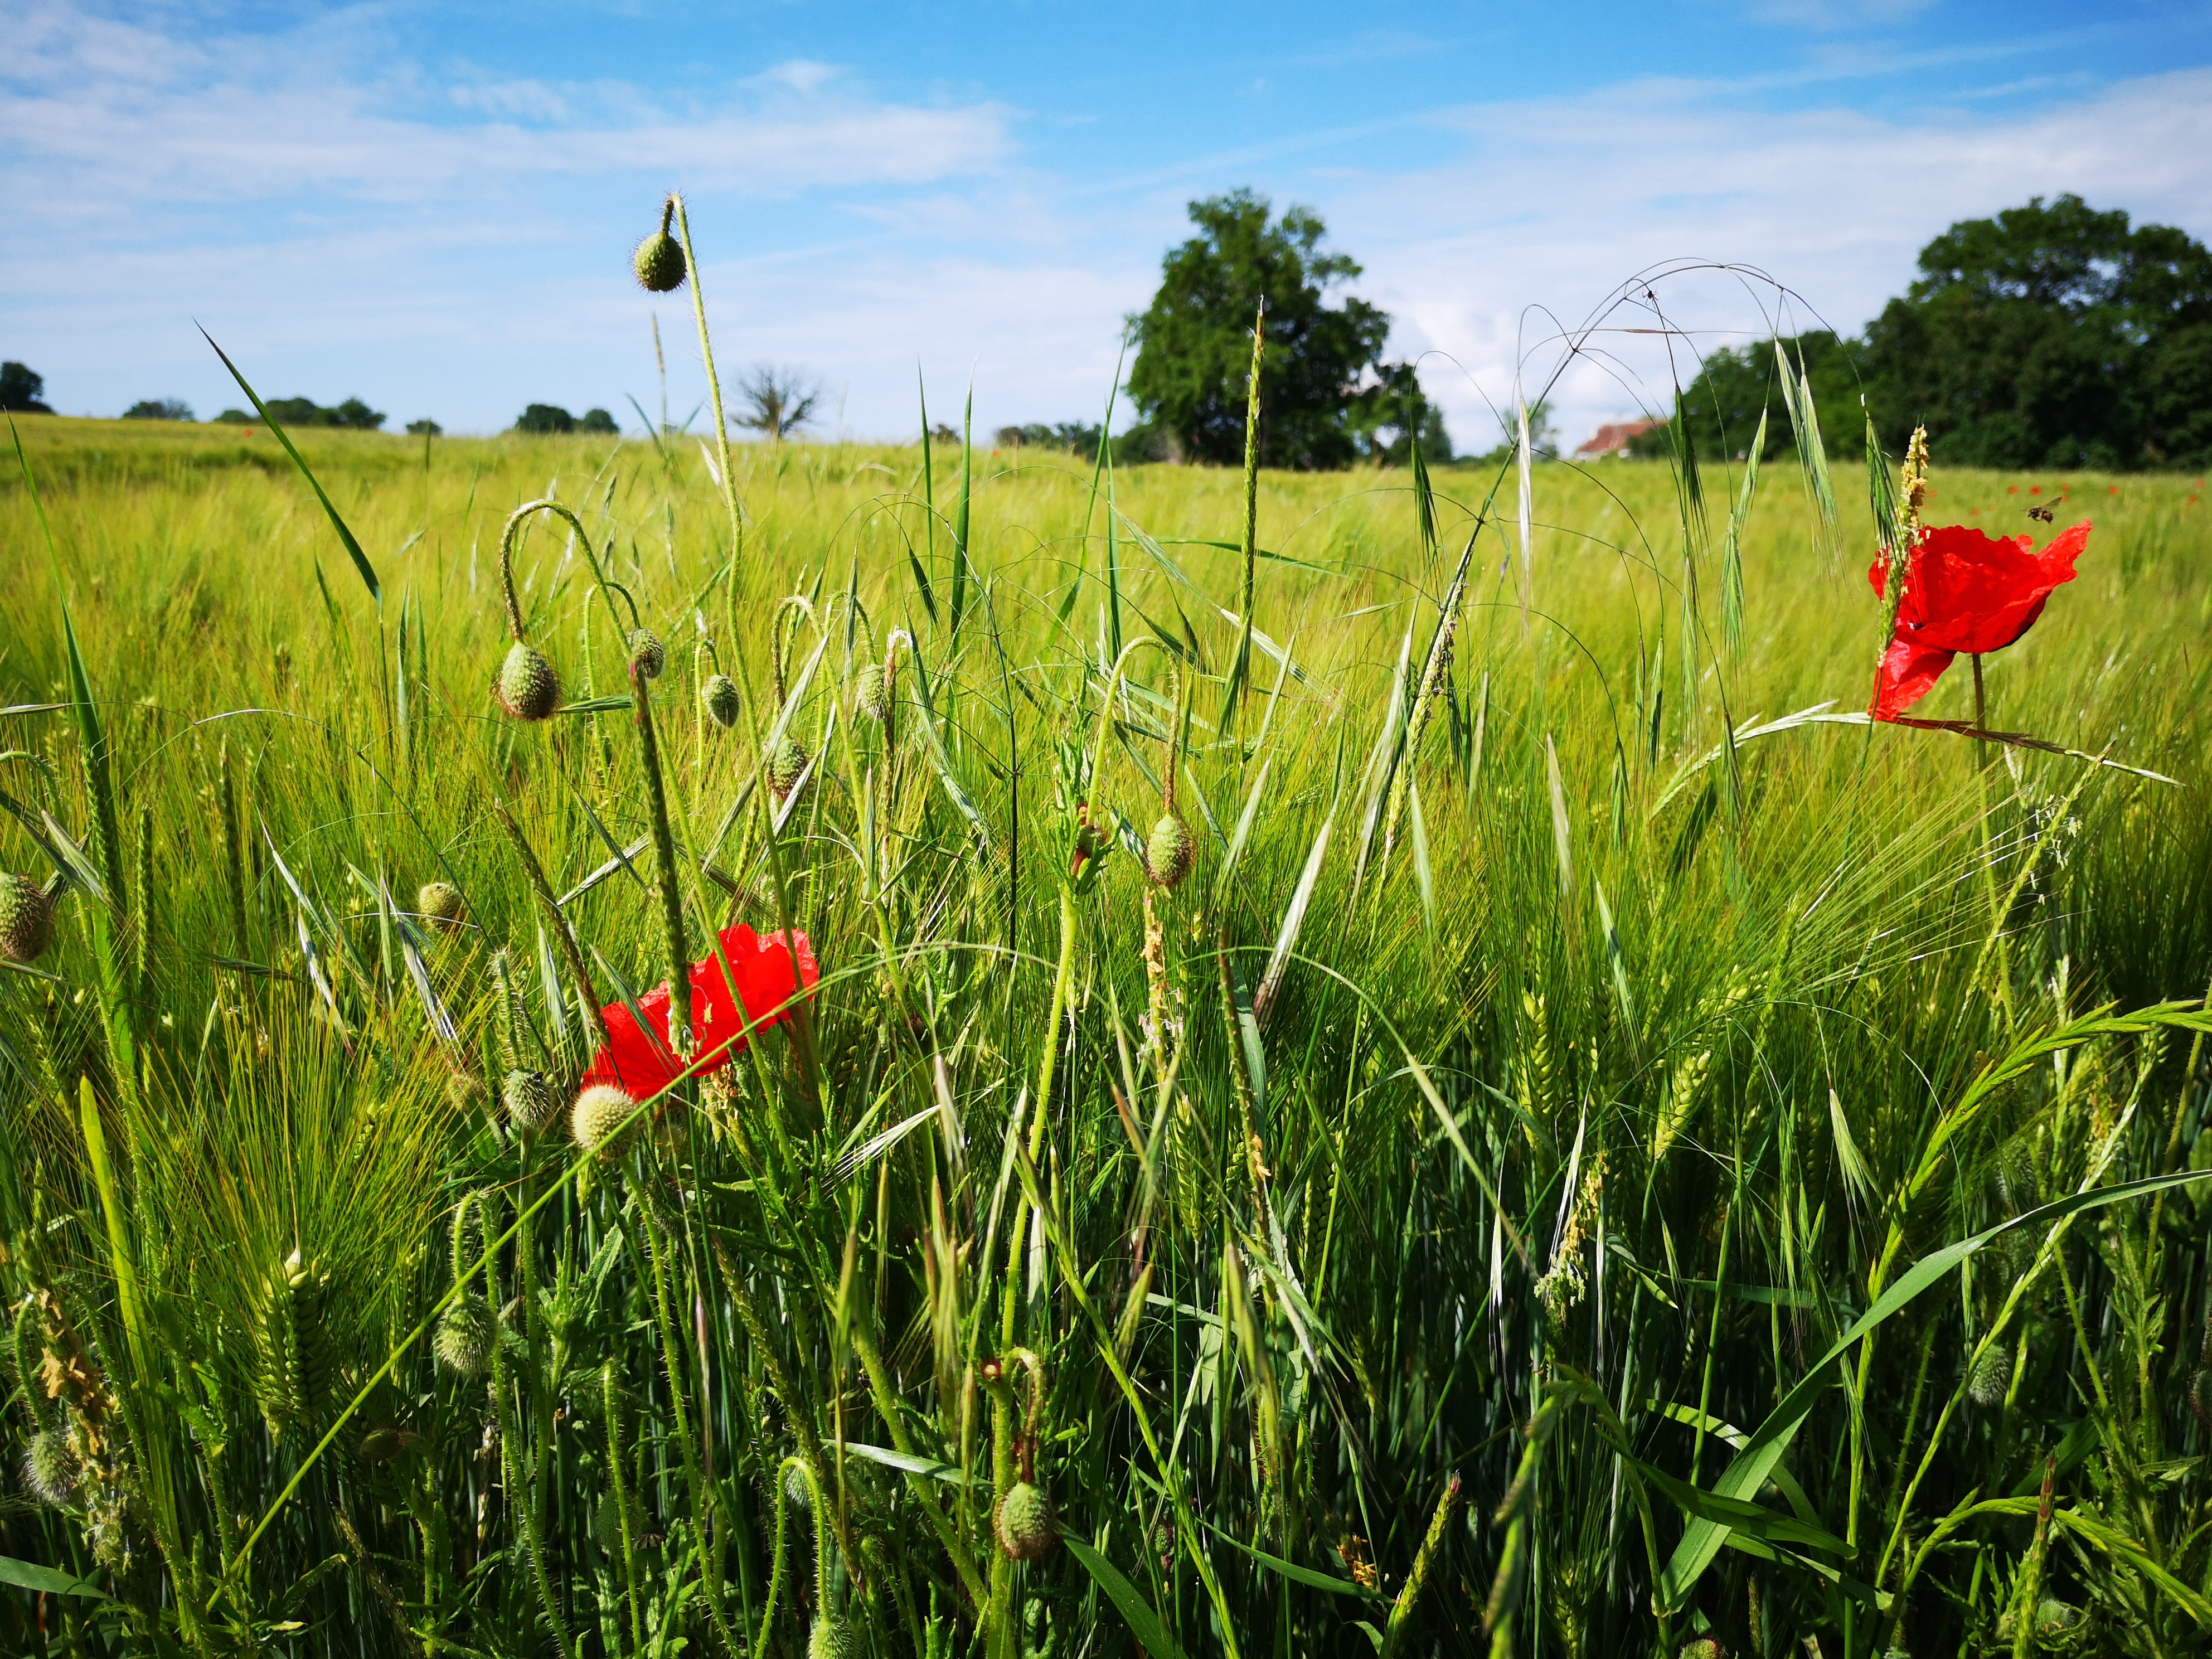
(829, 1638)
(1024, 1523)
(720, 694)
(528, 687)
(26, 919)
(787, 763)
(529, 1100)
(1702, 1647)
(1169, 851)
(1992, 1377)
(439, 902)
(645, 651)
(659, 263)
(466, 1333)
(51, 1470)
(872, 692)
(597, 1120)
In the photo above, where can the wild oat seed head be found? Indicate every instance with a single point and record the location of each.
(26, 919)
(439, 902)
(723, 702)
(528, 687)
(1170, 851)
(597, 1121)
(1024, 1523)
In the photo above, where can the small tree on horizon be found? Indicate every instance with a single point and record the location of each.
(778, 401)
(22, 390)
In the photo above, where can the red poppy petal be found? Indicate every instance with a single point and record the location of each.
(1970, 591)
(642, 1059)
(1909, 669)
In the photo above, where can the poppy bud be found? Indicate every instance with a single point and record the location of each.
(598, 1121)
(439, 902)
(830, 1638)
(607, 1524)
(659, 263)
(1992, 1377)
(720, 694)
(26, 919)
(466, 1334)
(1169, 851)
(795, 1488)
(872, 692)
(1024, 1523)
(787, 763)
(1702, 1647)
(529, 1100)
(51, 1469)
(645, 651)
(528, 688)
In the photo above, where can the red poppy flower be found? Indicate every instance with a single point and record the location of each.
(1964, 592)
(642, 1060)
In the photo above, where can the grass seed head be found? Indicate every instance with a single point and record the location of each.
(439, 904)
(528, 687)
(1024, 1523)
(26, 919)
(597, 1121)
(724, 704)
(646, 651)
(529, 1099)
(466, 1333)
(872, 692)
(1170, 851)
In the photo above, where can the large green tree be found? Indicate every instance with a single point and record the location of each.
(2052, 335)
(1736, 386)
(1194, 341)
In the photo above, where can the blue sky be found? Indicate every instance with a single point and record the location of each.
(430, 205)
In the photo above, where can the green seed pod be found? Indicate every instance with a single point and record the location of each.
(528, 687)
(795, 1488)
(439, 902)
(51, 1469)
(607, 1524)
(724, 705)
(26, 919)
(1170, 851)
(1702, 1647)
(872, 692)
(466, 1333)
(830, 1638)
(1992, 1377)
(1024, 1523)
(2055, 1617)
(659, 263)
(646, 651)
(596, 1121)
(787, 763)
(529, 1099)
(2200, 1396)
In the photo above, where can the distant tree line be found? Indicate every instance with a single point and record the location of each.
(551, 418)
(352, 414)
(21, 391)
(2052, 335)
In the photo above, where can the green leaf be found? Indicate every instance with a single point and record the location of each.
(1135, 1611)
(1295, 1573)
(345, 536)
(1702, 1539)
(26, 1575)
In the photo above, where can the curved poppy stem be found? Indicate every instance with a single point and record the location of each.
(1981, 718)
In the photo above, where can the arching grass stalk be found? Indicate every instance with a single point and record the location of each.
(1087, 844)
(728, 479)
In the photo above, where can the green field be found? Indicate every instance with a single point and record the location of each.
(1385, 1240)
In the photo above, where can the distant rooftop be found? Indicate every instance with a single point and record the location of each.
(1616, 439)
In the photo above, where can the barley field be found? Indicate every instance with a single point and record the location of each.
(1436, 1090)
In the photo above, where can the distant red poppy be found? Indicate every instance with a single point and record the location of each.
(642, 1062)
(1964, 592)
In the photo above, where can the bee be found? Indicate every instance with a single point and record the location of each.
(2042, 512)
